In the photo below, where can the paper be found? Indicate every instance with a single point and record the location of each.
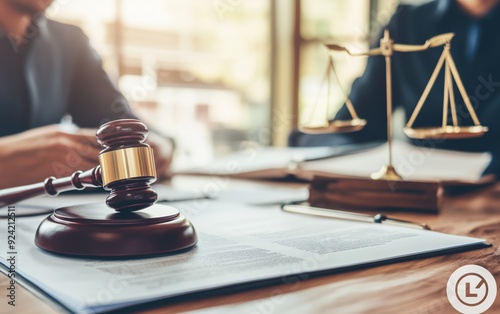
(248, 192)
(238, 244)
(47, 204)
(271, 162)
(411, 162)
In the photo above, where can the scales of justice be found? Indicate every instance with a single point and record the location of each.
(403, 193)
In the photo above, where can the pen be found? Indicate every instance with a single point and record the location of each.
(338, 214)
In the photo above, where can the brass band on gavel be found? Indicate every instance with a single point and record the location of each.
(127, 163)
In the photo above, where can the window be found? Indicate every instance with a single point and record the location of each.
(353, 24)
(201, 71)
(198, 71)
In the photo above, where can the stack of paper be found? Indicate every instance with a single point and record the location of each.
(238, 246)
(411, 162)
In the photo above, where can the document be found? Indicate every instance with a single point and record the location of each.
(272, 162)
(239, 245)
(411, 162)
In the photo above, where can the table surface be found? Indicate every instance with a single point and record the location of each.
(417, 286)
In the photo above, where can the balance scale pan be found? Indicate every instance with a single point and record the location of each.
(448, 132)
(337, 126)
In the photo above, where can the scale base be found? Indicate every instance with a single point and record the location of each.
(386, 173)
(366, 193)
(93, 231)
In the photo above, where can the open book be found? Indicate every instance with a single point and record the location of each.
(272, 162)
(411, 162)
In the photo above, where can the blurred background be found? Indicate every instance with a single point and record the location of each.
(220, 75)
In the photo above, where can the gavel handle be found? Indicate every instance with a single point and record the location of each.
(52, 186)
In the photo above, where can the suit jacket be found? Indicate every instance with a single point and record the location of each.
(53, 73)
(476, 57)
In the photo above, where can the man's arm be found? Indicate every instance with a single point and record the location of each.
(94, 99)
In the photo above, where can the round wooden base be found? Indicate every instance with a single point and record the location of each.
(93, 230)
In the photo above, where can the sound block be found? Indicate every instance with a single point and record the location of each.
(93, 230)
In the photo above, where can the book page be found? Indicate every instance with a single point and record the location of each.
(411, 162)
(238, 244)
(271, 162)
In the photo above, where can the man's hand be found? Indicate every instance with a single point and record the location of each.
(31, 156)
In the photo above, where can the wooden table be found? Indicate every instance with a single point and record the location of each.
(409, 287)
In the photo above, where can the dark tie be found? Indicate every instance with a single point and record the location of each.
(472, 41)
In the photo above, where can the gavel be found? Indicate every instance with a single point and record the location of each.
(126, 168)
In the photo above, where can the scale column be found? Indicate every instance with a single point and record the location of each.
(387, 172)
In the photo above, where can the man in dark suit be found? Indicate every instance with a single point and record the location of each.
(475, 49)
(47, 71)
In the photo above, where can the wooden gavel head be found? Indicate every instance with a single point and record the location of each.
(127, 166)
